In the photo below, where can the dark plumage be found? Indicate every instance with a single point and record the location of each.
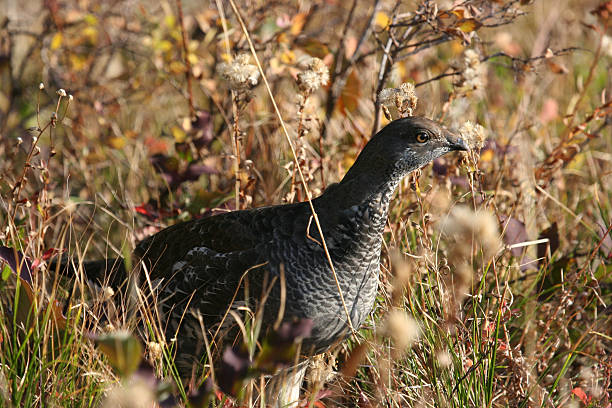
(202, 262)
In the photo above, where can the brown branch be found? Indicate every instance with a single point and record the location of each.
(179, 6)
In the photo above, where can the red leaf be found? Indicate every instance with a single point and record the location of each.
(140, 209)
(51, 252)
(582, 395)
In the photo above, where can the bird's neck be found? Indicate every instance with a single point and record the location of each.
(373, 188)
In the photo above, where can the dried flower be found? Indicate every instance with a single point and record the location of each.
(403, 98)
(314, 76)
(41, 86)
(19, 140)
(70, 97)
(61, 92)
(240, 74)
(473, 134)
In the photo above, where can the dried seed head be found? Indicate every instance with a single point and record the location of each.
(136, 393)
(61, 92)
(387, 95)
(108, 292)
(408, 94)
(240, 74)
(465, 225)
(402, 273)
(314, 76)
(473, 76)
(473, 134)
(401, 328)
(444, 358)
(403, 98)
(41, 86)
(155, 350)
(606, 45)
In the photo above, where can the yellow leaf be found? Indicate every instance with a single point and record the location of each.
(92, 34)
(468, 25)
(314, 48)
(226, 57)
(177, 67)
(577, 162)
(347, 162)
(487, 155)
(382, 19)
(78, 62)
(459, 13)
(164, 46)
(282, 38)
(297, 23)
(116, 142)
(288, 57)
(56, 42)
(457, 47)
(193, 59)
(170, 21)
(91, 19)
(178, 134)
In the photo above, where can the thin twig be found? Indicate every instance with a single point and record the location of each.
(235, 127)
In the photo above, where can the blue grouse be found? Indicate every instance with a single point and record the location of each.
(201, 265)
(203, 262)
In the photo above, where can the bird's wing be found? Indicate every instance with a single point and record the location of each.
(220, 234)
(235, 237)
(203, 262)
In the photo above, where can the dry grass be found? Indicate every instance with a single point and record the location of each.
(496, 283)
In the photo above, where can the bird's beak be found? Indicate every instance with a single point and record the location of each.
(456, 143)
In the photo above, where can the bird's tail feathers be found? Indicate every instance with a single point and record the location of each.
(104, 272)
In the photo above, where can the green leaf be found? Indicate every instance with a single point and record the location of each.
(6, 272)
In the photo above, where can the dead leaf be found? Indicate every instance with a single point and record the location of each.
(349, 99)
(297, 24)
(468, 25)
(557, 68)
(314, 48)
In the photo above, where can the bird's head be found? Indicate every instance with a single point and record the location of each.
(413, 142)
(405, 145)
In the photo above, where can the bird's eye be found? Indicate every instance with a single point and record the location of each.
(422, 137)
